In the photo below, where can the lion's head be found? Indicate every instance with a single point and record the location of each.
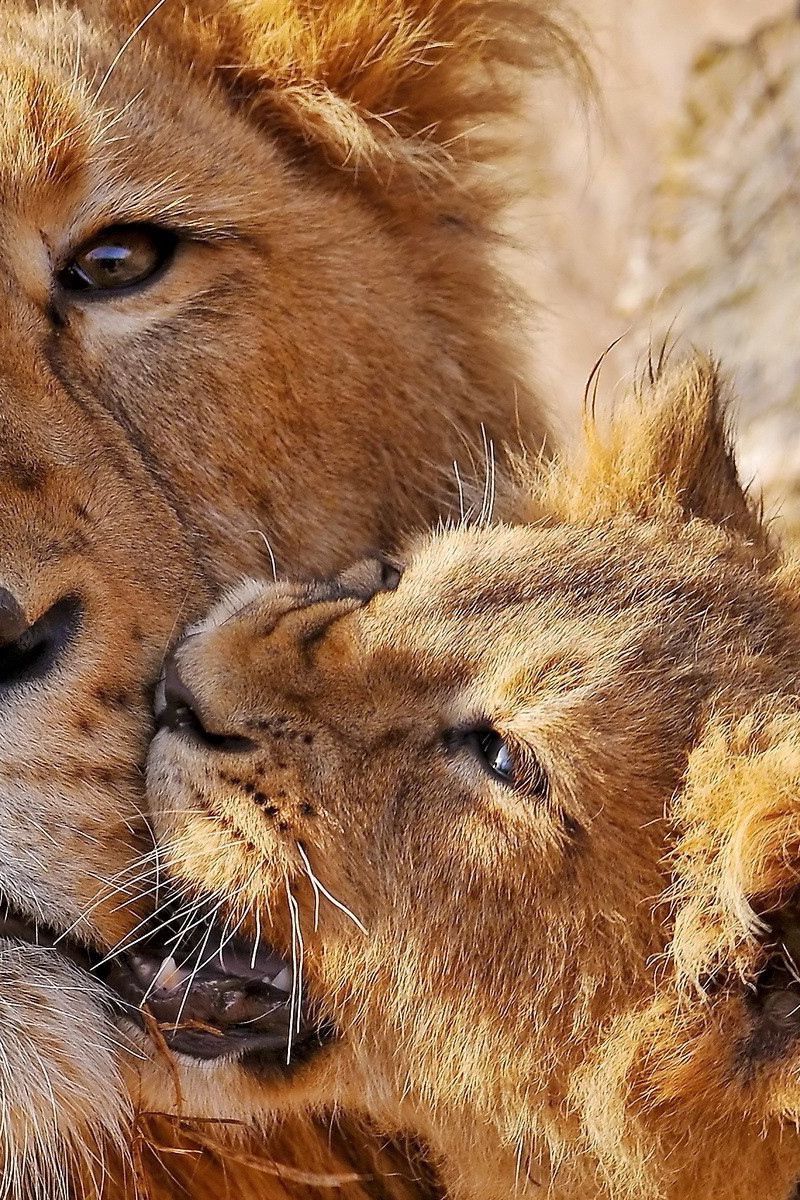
(505, 839)
(244, 252)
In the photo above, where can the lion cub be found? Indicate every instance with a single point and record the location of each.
(520, 825)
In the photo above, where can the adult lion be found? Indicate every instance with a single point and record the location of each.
(246, 286)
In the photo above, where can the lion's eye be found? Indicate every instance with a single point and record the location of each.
(118, 258)
(495, 754)
(504, 760)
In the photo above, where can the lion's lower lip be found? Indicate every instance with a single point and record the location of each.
(211, 996)
(17, 928)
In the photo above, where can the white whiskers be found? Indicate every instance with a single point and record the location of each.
(490, 484)
(298, 950)
(125, 45)
(319, 888)
(460, 486)
(265, 539)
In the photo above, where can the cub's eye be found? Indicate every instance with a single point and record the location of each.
(118, 258)
(496, 755)
(514, 765)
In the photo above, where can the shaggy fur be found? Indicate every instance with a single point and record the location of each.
(305, 372)
(580, 983)
(400, 94)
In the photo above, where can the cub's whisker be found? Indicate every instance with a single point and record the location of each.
(319, 887)
(296, 1001)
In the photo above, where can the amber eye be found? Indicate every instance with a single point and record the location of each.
(118, 258)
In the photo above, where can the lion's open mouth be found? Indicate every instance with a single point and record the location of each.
(212, 996)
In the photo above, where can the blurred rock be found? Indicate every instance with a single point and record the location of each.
(723, 254)
(681, 207)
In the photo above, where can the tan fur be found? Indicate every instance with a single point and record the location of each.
(564, 992)
(331, 336)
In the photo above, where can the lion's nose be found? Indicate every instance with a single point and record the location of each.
(180, 709)
(30, 650)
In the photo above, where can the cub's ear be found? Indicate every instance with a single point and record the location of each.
(399, 93)
(667, 453)
(738, 820)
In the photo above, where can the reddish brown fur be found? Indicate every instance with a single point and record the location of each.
(556, 990)
(329, 338)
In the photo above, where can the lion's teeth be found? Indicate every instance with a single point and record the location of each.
(143, 967)
(168, 976)
(283, 981)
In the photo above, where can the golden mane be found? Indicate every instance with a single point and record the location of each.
(401, 95)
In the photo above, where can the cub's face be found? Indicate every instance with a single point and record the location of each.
(445, 802)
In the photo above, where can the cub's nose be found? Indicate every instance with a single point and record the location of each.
(30, 650)
(179, 708)
(176, 703)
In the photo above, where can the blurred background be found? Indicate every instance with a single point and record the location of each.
(679, 202)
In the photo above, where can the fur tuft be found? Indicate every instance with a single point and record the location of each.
(667, 454)
(64, 1114)
(740, 818)
(396, 90)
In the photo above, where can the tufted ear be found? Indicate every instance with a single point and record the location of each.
(407, 98)
(667, 453)
(400, 92)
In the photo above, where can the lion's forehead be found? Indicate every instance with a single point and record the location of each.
(611, 569)
(80, 141)
(507, 616)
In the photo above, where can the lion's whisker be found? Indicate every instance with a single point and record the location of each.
(318, 886)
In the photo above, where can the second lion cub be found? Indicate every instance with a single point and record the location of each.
(503, 849)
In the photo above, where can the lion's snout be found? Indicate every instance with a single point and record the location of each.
(181, 709)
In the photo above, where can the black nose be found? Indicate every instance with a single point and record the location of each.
(178, 708)
(30, 650)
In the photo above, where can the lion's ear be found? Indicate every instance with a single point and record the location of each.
(667, 453)
(393, 91)
(738, 821)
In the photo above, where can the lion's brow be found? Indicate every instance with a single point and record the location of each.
(610, 585)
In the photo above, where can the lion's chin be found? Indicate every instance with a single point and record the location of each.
(65, 1104)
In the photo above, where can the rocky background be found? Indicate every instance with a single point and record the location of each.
(678, 204)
